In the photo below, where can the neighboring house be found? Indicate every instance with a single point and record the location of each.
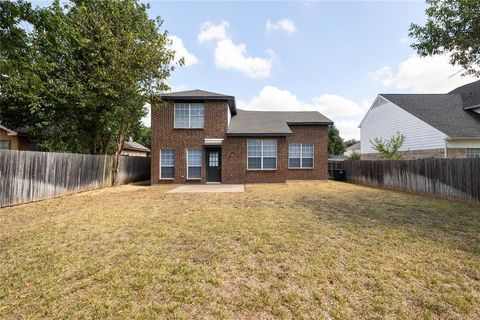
(135, 149)
(434, 125)
(13, 139)
(200, 136)
(354, 148)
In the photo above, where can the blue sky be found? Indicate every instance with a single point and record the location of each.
(334, 57)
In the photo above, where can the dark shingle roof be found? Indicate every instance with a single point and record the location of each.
(132, 145)
(470, 94)
(272, 123)
(200, 95)
(442, 111)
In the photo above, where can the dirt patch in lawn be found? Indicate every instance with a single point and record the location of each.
(297, 250)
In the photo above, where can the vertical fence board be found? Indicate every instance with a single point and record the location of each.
(449, 178)
(27, 176)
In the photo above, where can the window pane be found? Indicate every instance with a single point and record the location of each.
(307, 162)
(167, 173)
(194, 172)
(473, 153)
(254, 148)
(254, 163)
(307, 150)
(194, 157)
(269, 148)
(167, 157)
(196, 121)
(269, 163)
(213, 159)
(5, 144)
(197, 109)
(294, 150)
(294, 162)
(181, 115)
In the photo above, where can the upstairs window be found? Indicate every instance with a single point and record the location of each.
(262, 154)
(189, 115)
(300, 155)
(473, 152)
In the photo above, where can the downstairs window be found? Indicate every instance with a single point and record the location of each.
(300, 155)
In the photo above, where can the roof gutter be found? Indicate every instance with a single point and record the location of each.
(477, 106)
(253, 134)
(461, 138)
(230, 99)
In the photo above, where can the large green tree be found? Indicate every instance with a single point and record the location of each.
(78, 74)
(452, 27)
(336, 145)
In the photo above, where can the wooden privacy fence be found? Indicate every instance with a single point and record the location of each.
(450, 178)
(27, 176)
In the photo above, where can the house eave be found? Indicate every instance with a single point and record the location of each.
(255, 134)
(229, 99)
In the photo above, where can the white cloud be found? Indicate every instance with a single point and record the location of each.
(345, 113)
(211, 32)
(229, 55)
(286, 25)
(422, 75)
(181, 51)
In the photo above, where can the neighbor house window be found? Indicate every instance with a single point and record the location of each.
(262, 154)
(194, 164)
(473, 152)
(5, 144)
(189, 115)
(300, 155)
(167, 164)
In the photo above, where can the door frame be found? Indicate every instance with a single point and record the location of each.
(207, 162)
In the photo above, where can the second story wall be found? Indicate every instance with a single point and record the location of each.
(215, 121)
(165, 135)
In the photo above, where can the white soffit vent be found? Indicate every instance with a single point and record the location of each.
(213, 142)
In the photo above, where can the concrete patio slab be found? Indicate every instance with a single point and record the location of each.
(208, 188)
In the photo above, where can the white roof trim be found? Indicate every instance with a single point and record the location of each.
(9, 132)
(213, 142)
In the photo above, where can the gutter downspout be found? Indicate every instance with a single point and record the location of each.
(446, 149)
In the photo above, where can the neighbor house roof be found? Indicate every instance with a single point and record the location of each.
(272, 123)
(444, 112)
(15, 132)
(354, 146)
(470, 94)
(132, 145)
(200, 95)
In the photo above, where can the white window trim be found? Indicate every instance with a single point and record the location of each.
(301, 157)
(189, 116)
(261, 156)
(201, 163)
(160, 174)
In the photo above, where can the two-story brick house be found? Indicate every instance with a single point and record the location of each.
(201, 137)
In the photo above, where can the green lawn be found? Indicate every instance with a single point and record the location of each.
(320, 250)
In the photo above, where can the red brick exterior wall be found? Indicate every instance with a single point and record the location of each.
(234, 163)
(234, 149)
(165, 136)
(318, 135)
